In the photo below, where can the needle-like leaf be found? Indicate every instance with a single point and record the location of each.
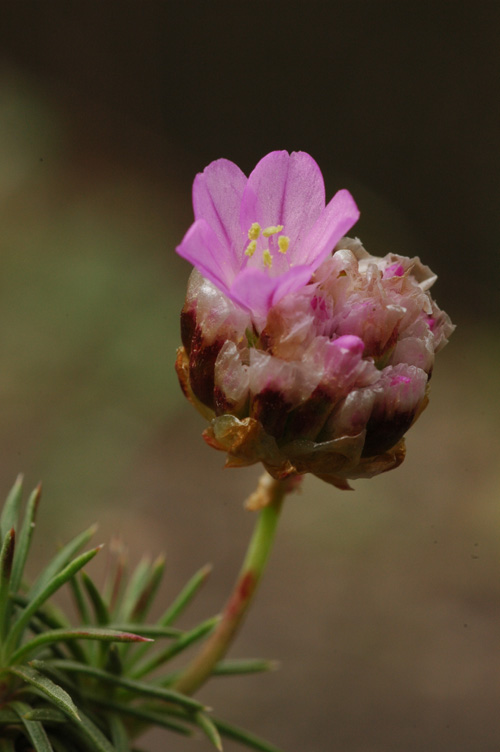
(24, 538)
(11, 507)
(63, 635)
(52, 585)
(209, 729)
(34, 729)
(6, 559)
(139, 689)
(56, 694)
(61, 560)
(244, 737)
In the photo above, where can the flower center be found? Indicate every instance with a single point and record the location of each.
(276, 242)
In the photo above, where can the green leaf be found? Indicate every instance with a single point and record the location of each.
(56, 694)
(63, 635)
(185, 596)
(136, 584)
(49, 617)
(243, 666)
(146, 596)
(145, 716)
(187, 639)
(139, 689)
(209, 729)
(148, 630)
(34, 729)
(46, 715)
(80, 603)
(95, 735)
(54, 584)
(244, 737)
(61, 560)
(24, 538)
(114, 663)
(177, 607)
(6, 558)
(10, 511)
(100, 609)
(8, 716)
(118, 733)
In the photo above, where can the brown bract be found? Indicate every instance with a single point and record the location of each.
(246, 442)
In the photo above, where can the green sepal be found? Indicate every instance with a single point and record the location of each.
(56, 694)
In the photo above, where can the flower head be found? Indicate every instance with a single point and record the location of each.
(260, 239)
(320, 373)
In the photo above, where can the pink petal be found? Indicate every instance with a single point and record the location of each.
(202, 248)
(336, 219)
(257, 292)
(217, 193)
(284, 189)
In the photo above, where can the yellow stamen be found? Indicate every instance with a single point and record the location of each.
(272, 230)
(250, 249)
(283, 242)
(254, 231)
(267, 258)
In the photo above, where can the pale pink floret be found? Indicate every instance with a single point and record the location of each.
(283, 190)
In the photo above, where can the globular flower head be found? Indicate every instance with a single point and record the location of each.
(305, 352)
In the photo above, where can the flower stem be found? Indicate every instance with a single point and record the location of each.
(270, 494)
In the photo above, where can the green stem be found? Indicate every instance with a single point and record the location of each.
(269, 496)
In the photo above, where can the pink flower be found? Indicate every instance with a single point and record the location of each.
(303, 351)
(261, 238)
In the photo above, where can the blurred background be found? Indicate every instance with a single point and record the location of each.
(382, 605)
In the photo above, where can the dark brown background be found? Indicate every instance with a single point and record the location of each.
(383, 604)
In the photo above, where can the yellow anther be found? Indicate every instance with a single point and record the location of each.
(250, 249)
(267, 258)
(283, 243)
(272, 230)
(254, 231)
